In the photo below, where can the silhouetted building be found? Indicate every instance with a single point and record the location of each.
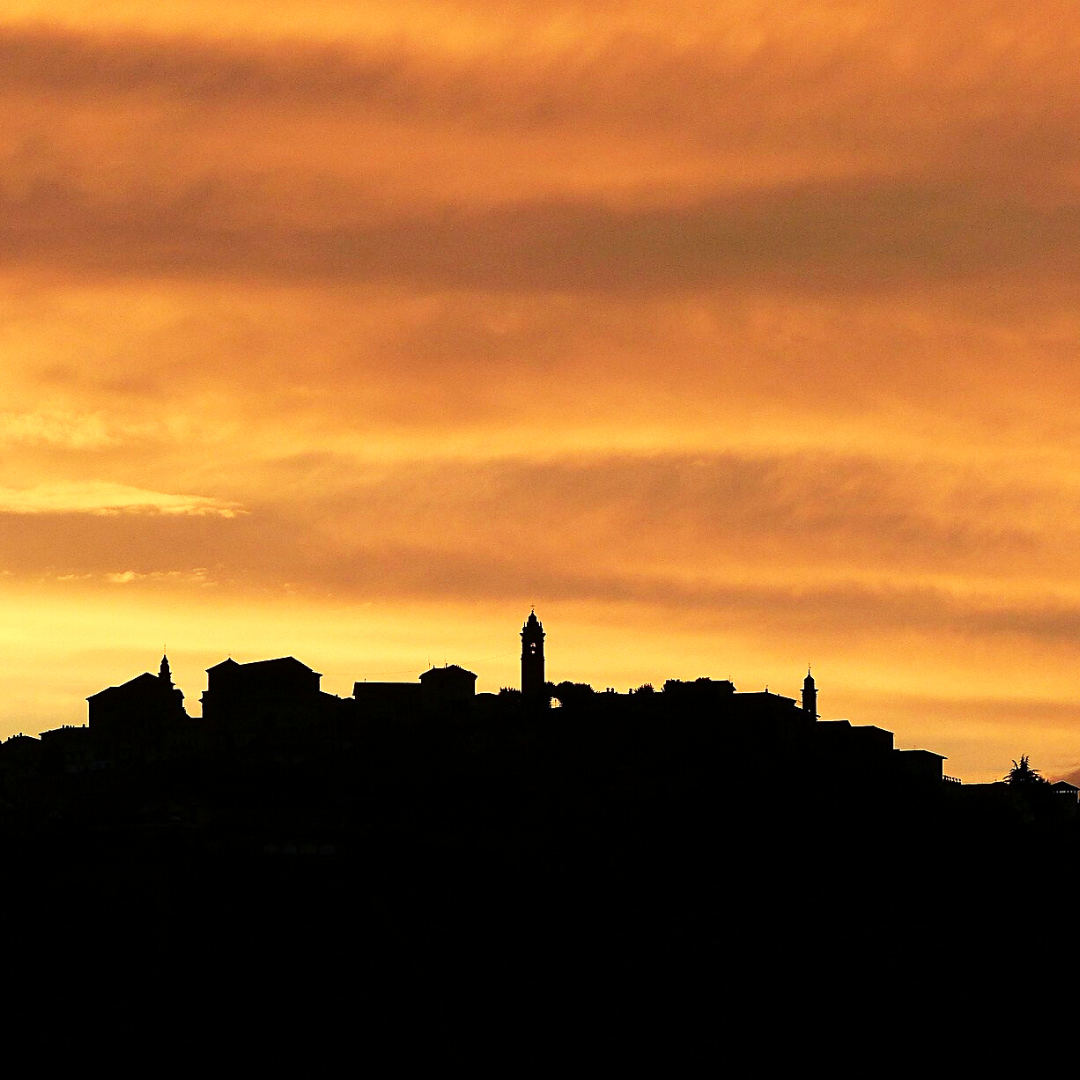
(533, 681)
(71, 749)
(1068, 792)
(20, 748)
(439, 689)
(264, 694)
(137, 710)
(20, 764)
(448, 687)
(923, 766)
(854, 740)
(717, 691)
(765, 703)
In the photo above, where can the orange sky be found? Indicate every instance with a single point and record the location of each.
(732, 336)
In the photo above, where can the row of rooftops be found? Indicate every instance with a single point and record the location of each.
(288, 682)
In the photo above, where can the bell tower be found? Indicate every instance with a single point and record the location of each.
(532, 659)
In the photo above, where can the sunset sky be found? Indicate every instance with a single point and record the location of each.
(734, 336)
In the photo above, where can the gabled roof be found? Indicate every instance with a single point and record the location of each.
(281, 663)
(451, 669)
(766, 696)
(145, 681)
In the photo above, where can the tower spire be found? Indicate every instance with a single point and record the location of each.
(809, 695)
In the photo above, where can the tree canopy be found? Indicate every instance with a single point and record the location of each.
(1022, 773)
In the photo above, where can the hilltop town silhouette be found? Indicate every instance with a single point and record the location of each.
(549, 850)
(275, 709)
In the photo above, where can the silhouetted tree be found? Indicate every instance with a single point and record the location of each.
(1023, 774)
(570, 693)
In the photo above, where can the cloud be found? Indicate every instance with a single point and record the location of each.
(78, 431)
(881, 150)
(126, 577)
(733, 79)
(805, 239)
(247, 374)
(109, 499)
(795, 514)
(619, 523)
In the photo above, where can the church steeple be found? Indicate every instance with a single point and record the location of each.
(164, 674)
(809, 695)
(533, 684)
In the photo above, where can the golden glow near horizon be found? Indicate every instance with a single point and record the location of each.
(731, 336)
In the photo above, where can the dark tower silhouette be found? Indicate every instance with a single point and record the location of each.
(164, 674)
(533, 685)
(809, 695)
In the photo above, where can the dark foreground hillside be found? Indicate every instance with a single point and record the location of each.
(608, 873)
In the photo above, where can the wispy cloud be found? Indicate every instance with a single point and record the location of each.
(56, 428)
(198, 576)
(108, 499)
(858, 236)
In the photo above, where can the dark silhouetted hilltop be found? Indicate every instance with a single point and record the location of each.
(426, 857)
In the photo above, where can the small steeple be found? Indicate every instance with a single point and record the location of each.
(809, 695)
(164, 674)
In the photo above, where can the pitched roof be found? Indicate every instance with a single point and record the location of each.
(447, 669)
(145, 681)
(281, 663)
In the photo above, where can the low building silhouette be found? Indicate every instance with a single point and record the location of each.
(71, 749)
(447, 688)
(1069, 793)
(235, 690)
(265, 696)
(922, 766)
